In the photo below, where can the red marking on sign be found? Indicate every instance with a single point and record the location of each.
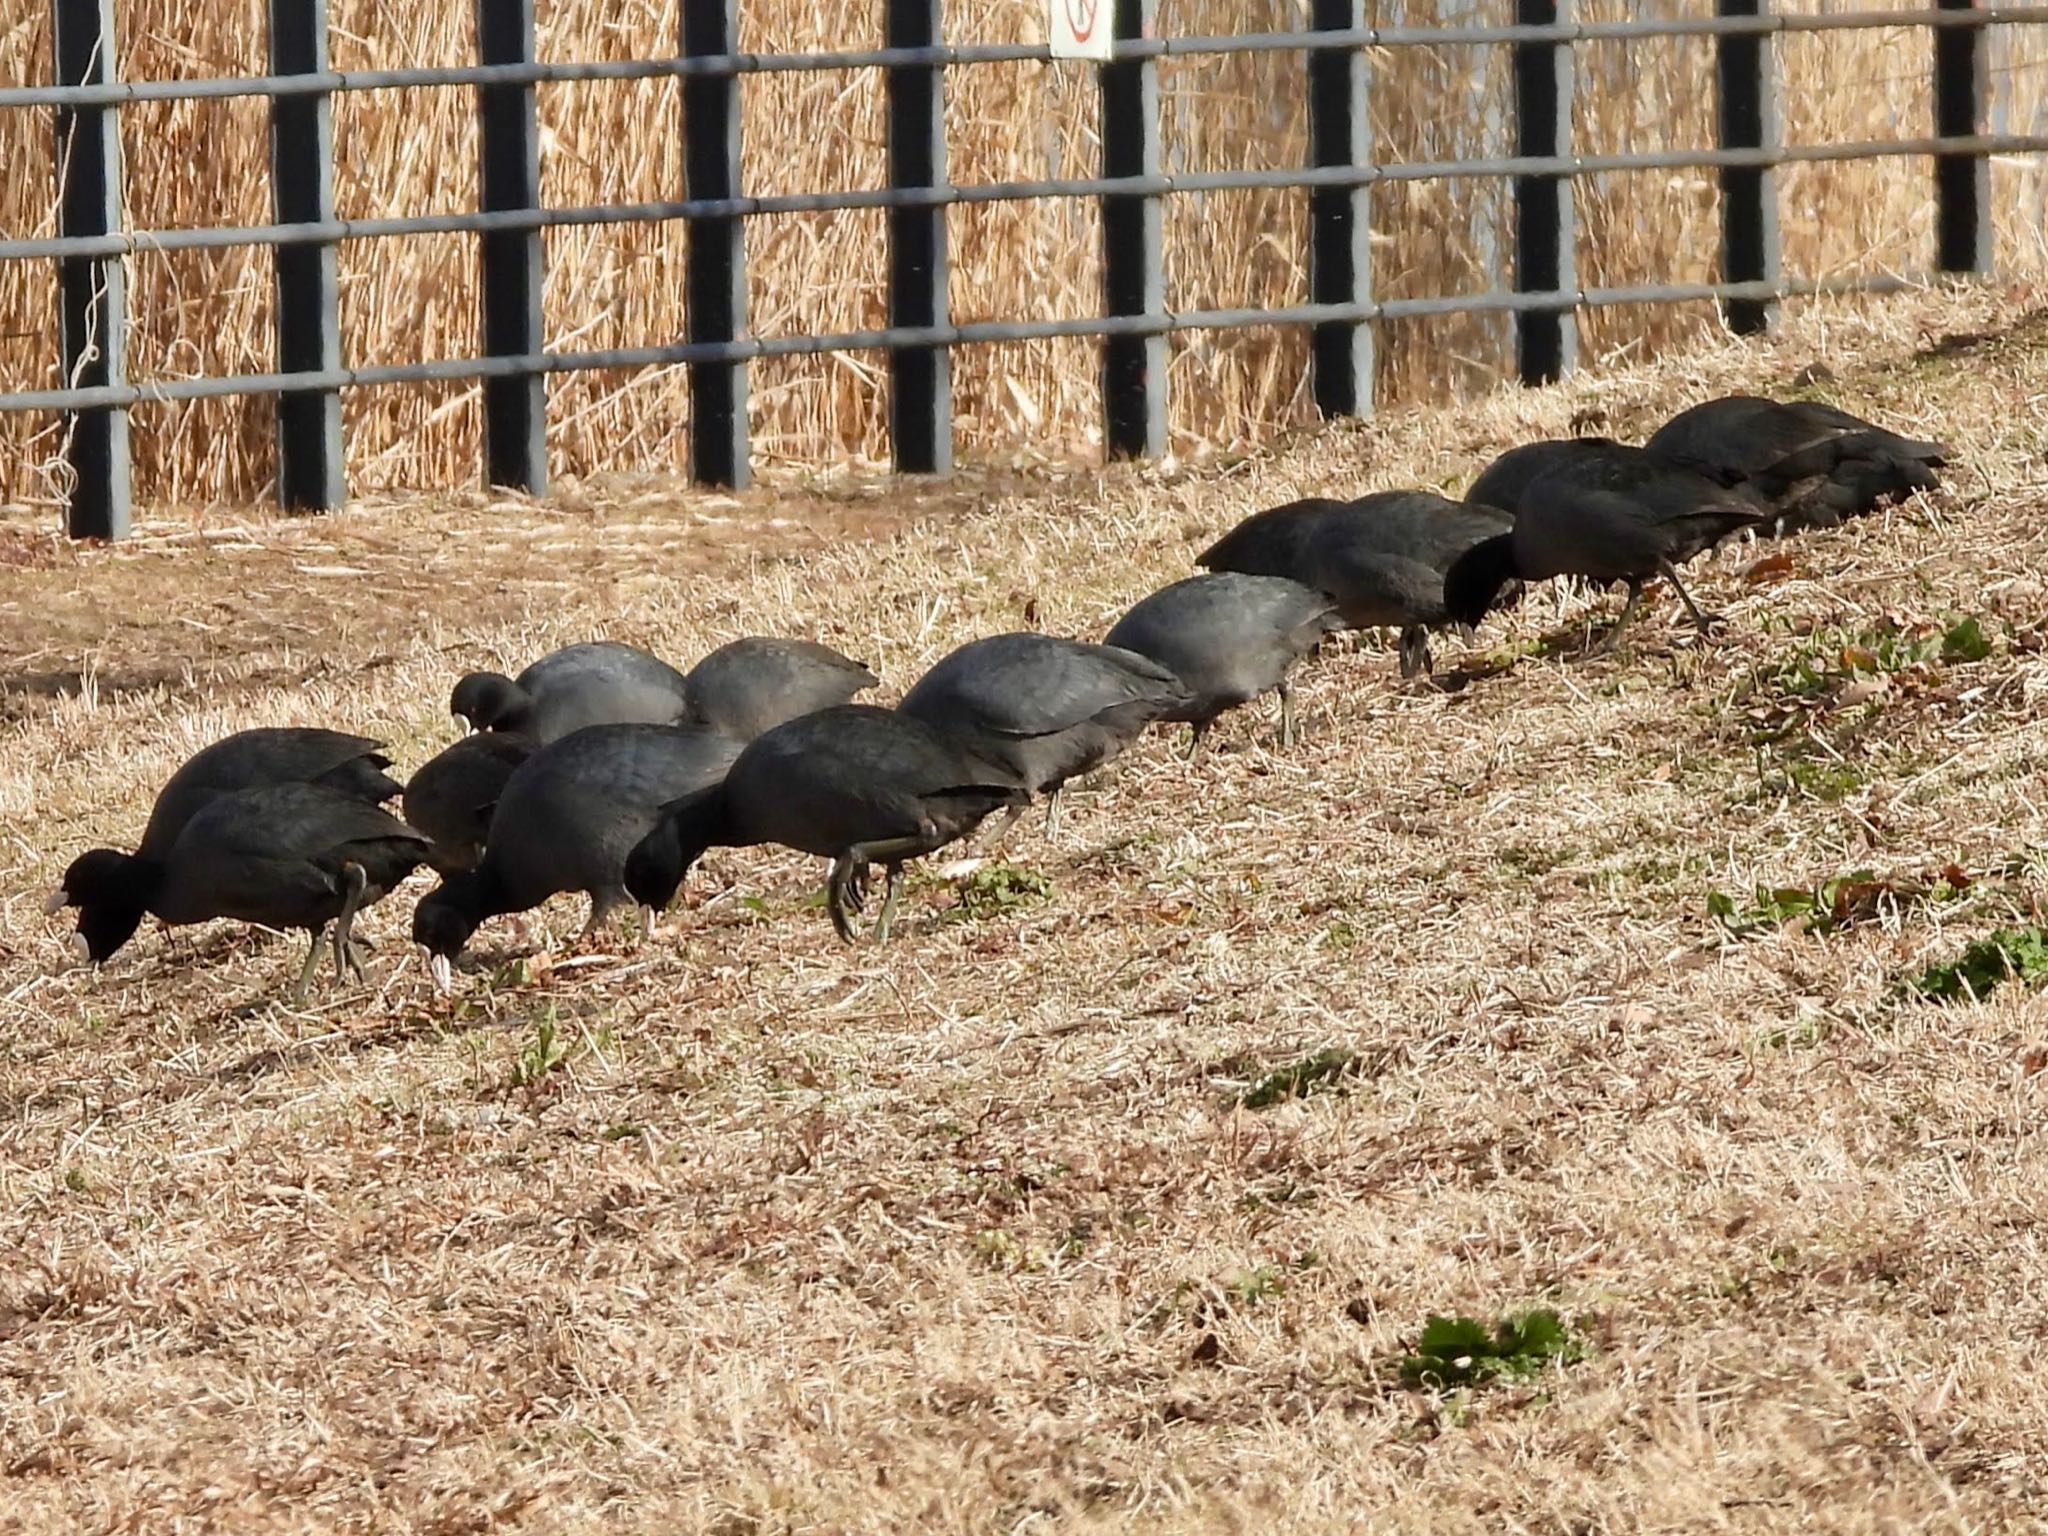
(1081, 16)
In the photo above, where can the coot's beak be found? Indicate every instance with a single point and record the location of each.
(55, 902)
(443, 971)
(462, 723)
(647, 917)
(80, 950)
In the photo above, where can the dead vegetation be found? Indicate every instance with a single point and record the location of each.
(402, 153)
(1118, 1192)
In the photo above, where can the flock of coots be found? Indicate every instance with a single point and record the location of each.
(603, 770)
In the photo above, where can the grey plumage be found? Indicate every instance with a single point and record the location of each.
(1608, 513)
(566, 820)
(1381, 559)
(452, 795)
(112, 890)
(286, 856)
(755, 684)
(1271, 542)
(1038, 710)
(1815, 464)
(1230, 638)
(601, 683)
(852, 783)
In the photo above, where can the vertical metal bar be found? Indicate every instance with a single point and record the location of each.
(311, 469)
(92, 290)
(511, 271)
(1133, 247)
(920, 378)
(1340, 218)
(1546, 341)
(1962, 183)
(716, 276)
(1749, 194)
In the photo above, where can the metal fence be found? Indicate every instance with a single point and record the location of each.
(1135, 326)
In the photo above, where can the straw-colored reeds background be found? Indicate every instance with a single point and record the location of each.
(414, 152)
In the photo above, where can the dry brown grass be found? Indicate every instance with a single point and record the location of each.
(403, 153)
(807, 1238)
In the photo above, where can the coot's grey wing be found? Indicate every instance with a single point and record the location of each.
(1269, 543)
(1030, 685)
(453, 794)
(601, 683)
(755, 684)
(1504, 482)
(272, 855)
(570, 813)
(266, 755)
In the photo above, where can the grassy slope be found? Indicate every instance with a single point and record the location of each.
(796, 1237)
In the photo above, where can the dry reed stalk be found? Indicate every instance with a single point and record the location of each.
(415, 152)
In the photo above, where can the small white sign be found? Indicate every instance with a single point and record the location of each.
(1081, 28)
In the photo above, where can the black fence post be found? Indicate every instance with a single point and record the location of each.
(92, 290)
(1749, 194)
(716, 278)
(311, 469)
(1962, 182)
(510, 260)
(1133, 247)
(1546, 340)
(920, 378)
(1340, 218)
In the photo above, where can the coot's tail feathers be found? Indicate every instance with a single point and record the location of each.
(1482, 578)
(363, 778)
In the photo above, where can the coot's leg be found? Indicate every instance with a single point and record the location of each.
(1704, 621)
(602, 905)
(312, 964)
(1194, 749)
(1414, 651)
(849, 877)
(1628, 613)
(838, 894)
(990, 845)
(355, 880)
(1052, 811)
(1286, 713)
(891, 888)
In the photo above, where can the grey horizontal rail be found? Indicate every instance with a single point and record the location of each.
(975, 332)
(1189, 183)
(118, 93)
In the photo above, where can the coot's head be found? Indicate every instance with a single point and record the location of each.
(659, 861)
(111, 891)
(1481, 579)
(489, 701)
(444, 920)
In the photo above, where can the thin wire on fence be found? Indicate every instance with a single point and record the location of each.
(1337, 50)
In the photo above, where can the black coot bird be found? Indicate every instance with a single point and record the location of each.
(602, 683)
(854, 784)
(1382, 562)
(1815, 464)
(283, 855)
(1037, 710)
(452, 795)
(1229, 638)
(754, 684)
(1381, 559)
(1611, 514)
(110, 889)
(566, 820)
